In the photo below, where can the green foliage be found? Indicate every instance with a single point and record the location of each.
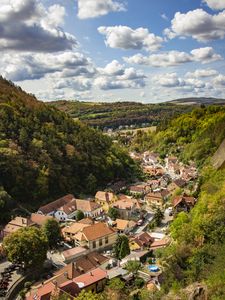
(139, 282)
(6, 205)
(79, 215)
(133, 266)
(45, 154)
(27, 246)
(113, 213)
(52, 231)
(89, 296)
(199, 236)
(121, 248)
(116, 284)
(113, 115)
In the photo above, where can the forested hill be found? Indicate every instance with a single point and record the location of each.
(113, 115)
(192, 136)
(44, 153)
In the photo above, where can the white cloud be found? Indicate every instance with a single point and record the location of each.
(96, 8)
(215, 4)
(164, 16)
(168, 80)
(124, 37)
(26, 25)
(29, 66)
(219, 80)
(201, 73)
(117, 76)
(174, 58)
(197, 24)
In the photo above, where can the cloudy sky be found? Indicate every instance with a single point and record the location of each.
(110, 50)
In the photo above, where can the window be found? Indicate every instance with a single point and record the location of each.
(94, 244)
(100, 242)
(106, 240)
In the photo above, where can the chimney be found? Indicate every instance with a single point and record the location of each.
(66, 275)
(107, 196)
(91, 274)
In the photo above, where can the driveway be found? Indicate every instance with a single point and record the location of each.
(142, 228)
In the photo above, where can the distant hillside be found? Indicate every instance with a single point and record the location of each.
(114, 115)
(44, 153)
(198, 101)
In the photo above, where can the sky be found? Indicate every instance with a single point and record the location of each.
(114, 50)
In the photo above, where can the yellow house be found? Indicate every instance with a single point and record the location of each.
(105, 199)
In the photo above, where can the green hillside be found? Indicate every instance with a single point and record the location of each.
(113, 115)
(44, 153)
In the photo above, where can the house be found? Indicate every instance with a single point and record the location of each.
(183, 203)
(73, 253)
(94, 281)
(150, 158)
(83, 264)
(98, 237)
(16, 224)
(71, 230)
(141, 241)
(124, 226)
(127, 207)
(89, 208)
(156, 199)
(160, 244)
(39, 219)
(105, 199)
(134, 256)
(176, 184)
(139, 189)
(57, 207)
(170, 161)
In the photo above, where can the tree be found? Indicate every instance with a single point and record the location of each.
(6, 204)
(27, 246)
(79, 215)
(113, 213)
(133, 266)
(158, 216)
(122, 248)
(89, 296)
(116, 284)
(139, 282)
(52, 231)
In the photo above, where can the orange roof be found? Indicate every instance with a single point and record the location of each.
(127, 204)
(16, 224)
(90, 277)
(40, 219)
(104, 196)
(43, 292)
(86, 205)
(46, 209)
(96, 231)
(74, 228)
(160, 243)
(88, 221)
(74, 251)
(124, 224)
(188, 200)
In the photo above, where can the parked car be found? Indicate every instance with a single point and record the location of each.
(140, 222)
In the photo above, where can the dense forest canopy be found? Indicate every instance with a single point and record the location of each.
(195, 135)
(116, 114)
(44, 153)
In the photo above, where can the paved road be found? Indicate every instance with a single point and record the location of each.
(148, 219)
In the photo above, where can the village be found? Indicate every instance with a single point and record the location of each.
(134, 218)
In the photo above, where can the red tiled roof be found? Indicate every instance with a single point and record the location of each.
(90, 277)
(39, 219)
(97, 231)
(52, 206)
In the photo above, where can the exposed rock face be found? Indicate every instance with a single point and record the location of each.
(196, 291)
(218, 159)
